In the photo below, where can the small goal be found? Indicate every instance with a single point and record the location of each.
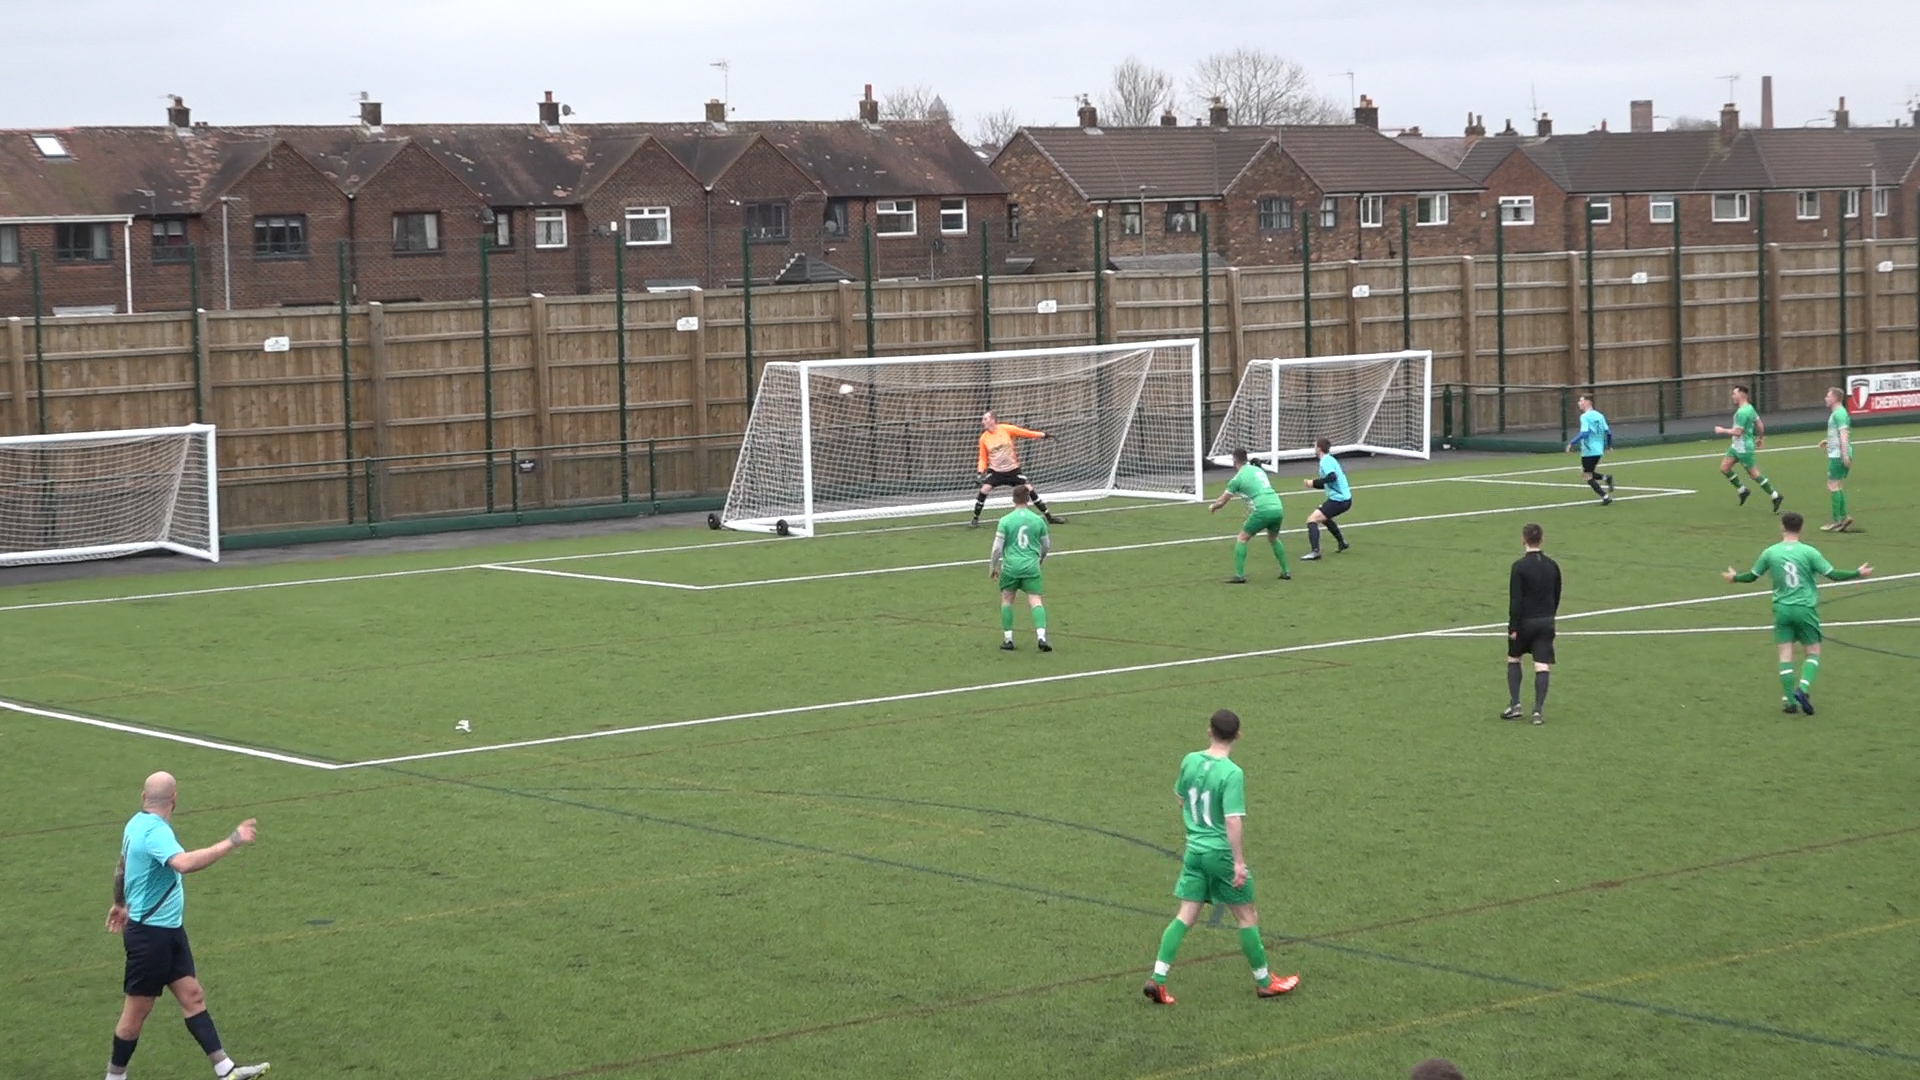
(1376, 402)
(846, 440)
(99, 494)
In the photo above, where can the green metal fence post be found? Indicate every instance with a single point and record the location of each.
(367, 463)
(620, 355)
(1660, 405)
(1306, 283)
(866, 247)
(513, 479)
(986, 289)
(1593, 356)
(39, 348)
(1406, 284)
(1500, 327)
(1566, 405)
(1760, 294)
(193, 314)
(1840, 274)
(1206, 332)
(486, 357)
(1679, 323)
(653, 476)
(746, 306)
(346, 371)
(1100, 277)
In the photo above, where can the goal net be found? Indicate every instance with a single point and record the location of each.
(842, 440)
(99, 494)
(1375, 402)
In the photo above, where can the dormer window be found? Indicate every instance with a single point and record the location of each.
(50, 146)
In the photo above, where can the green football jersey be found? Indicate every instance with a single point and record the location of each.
(1837, 421)
(1021, 534)
(1251, 484)
(1794, 566)
(1746, 419)
(1211, 789)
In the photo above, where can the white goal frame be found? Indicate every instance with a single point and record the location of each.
(162, 540)
(1271, 450)
(807, 516)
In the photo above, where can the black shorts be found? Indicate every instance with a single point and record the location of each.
(1014, 478)
(1333, 508)
(157, 957)
(1590, 464)
(1535, 638)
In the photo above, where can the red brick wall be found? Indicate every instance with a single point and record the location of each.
(1056, 228)
(284, 183)
(415, 182)
(764, 175)
(63, 284)
(651, 177)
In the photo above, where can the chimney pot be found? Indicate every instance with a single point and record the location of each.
(1642, 115)
(1217, 115)
(1841, 118)
(1367, 114)
(1476, 126)
(1089, 116)
(550, 111)
(716, 111)
(1167, 119)
(869, 108)
(370, 114)
(1729, 120)
(1543, 127)
(178, 115)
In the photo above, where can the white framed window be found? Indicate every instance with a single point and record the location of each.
(649, 226)
(1806, 205)
(1731, 206)
(1660, 209)
(50, 146)
(9, 245)
(502, 229)
(1850, 203)
(1880, 202)
(1373, 209)
(1600, 210)
(895, 217)
(1430, 209)
(1516, 209)
(1131, 221)
(953, 216)
(549, 228)
(1329, 212)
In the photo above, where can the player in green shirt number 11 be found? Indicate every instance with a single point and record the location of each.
(1796, 605)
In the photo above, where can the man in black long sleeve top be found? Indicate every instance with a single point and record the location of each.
(1533, 598)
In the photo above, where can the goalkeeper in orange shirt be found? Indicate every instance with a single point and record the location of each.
(999, 466)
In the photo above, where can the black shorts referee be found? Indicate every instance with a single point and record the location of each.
(1533, 598)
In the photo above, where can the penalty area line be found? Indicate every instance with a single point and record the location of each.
(168, 736)
(1680, 630)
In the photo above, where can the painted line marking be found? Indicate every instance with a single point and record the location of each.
(169, 736)
(1684, 630)
(588, 577)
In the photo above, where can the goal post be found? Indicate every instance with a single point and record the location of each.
(100, 494)
(852, 439)
(1376, 402)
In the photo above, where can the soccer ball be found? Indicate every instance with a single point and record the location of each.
(846, 388)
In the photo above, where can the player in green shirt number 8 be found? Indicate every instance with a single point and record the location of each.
(1796, 599)
(1212, 793)
(1749, 435)
(1020, 545)
(1263, 515)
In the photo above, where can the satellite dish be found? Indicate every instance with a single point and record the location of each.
(566, 110)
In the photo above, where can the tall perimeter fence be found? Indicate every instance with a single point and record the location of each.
(352, 418)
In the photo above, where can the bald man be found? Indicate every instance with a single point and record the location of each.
(149, 900)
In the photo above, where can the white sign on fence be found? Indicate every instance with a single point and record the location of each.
(1361, 292)
(1639, 277)
(1048, 307)
(1885, 267)
(687, 323)
(278, 344)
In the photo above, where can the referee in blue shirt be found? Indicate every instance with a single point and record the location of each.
(1332, 480)
(1595, 438)
(149, 901)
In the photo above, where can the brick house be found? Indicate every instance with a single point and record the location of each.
(1262, 188)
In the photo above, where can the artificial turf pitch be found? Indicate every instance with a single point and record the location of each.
(1668, 878)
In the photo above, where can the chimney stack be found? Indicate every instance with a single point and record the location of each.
(1729, 120)
(550, 111)
(1841, 119)
(869, 108)
(716, 111)
(370, 114)
(1089, 116)
(1217, 113)
(1167, 119)
(179, 115)
(1766, 101)
(1367, 114)
(1476, 126)
(1542, 127)
(1642, 119)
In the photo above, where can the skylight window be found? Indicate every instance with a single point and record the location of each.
(50, 146)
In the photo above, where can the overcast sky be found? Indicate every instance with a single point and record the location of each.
(1425, 62)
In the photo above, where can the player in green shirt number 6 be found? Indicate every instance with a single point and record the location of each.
(1212, 793)
(1263, 515)
(1796, 599)
(1839, 447)
(1020, 545)
(1749, 435)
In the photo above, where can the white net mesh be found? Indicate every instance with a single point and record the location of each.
(1376, 403)
(847, 439)
(100, 494)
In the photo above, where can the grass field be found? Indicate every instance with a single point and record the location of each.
(781, 808)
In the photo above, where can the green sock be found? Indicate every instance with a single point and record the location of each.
(1766, 485)
(1786, 679)
(1734, 479)
(1807, 671)
(1006, 617)
(1839, 504)
(1169, 945)
(1280, 553)
(1040, 619)
(1255, 950)
(1240, 559)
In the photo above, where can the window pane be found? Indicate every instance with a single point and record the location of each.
(9, 244)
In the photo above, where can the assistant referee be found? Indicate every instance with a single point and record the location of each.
(1533, 598)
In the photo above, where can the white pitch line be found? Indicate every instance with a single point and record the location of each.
(190, 740)
(589, 577)
(1681, 630)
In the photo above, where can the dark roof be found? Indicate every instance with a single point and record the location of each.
(1486, 154)
(108, 168)
(1183, 262)
(1448, 150)
(1348, 158)
(804, 269)
(900, 157)
(1705, 160)
(1113, 164)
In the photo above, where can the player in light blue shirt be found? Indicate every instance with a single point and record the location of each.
(1332, 480)
(1595, 438)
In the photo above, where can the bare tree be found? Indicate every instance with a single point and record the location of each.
(996, 127)
(1137, 95)
(917, 102)
(1692, 123)
(1263, 88)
